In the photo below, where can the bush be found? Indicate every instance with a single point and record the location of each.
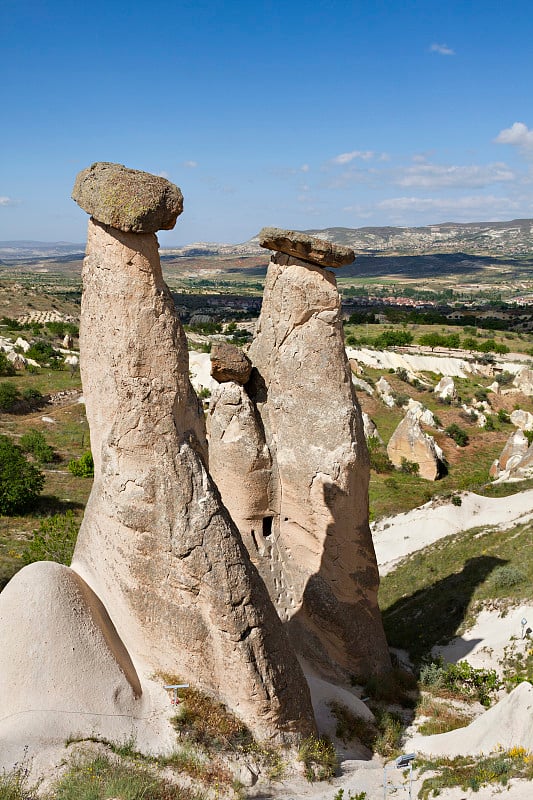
(393, 339)
(503, 416)
(379, 460)
(82, 467)
(42, 351)
(6, 367)
(409, 467)
(461, 678)
(20, 482)
(504, 378)
(9, 396)
(506, 577)
(34, 442)
(54, 541)
(456, 433)
(319, 757)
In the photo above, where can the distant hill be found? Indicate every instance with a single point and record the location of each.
(514, 238)
(479, 238)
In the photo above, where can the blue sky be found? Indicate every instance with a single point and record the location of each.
(300, 115)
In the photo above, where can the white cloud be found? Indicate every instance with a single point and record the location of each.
(518, 135)
(454, 205)
(164, 174)
(441, 49)
(429, 176)
(190, 164)
(6, 201)
(345, 158)
(305, 168)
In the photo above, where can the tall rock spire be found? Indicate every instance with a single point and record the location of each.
(298, 463)
(156, 543)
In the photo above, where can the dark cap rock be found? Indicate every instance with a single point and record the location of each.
(229, 363)
(127, 199)
(308, 248)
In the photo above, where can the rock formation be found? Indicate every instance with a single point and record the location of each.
(156, 544)
(229, 363)
(522, 419)
(385, 392)
(421, 413)
(66, 669)
(409, 442)
(512, 454)
(524, 381)
(289, 455)
(445, 388)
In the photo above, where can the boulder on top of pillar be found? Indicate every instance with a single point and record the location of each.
(127, 199)
(305, 247)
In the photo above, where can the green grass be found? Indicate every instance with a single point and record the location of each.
(471, 772)
(435, 592)
(102, 777)
(442, 717)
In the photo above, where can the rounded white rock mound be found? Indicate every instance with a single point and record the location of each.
(64, 671)
(507, 724)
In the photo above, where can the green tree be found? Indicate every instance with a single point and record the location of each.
(456, 433)
(393, 339)
(9, 396)
(33, 442)
(20, 482)
(6, 367)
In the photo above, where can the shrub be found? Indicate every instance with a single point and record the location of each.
(20, 482)
(379, 460)
(9, 396)
(504, 378)
(204, 721)
(393, 339)
(54, 540)
(33, 442)
(319, 757)
(6, 367)
(489, 422)
(409, 467)
(42, 352)
(462, 679)
(82, 467)
(456, 500)
(503, 416)
(456, 433)
(506, 577)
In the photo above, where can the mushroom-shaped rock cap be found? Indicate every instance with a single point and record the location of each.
(127, 199)
(308, 248)
(229, 363)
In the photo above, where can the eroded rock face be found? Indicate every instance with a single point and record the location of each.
(522, 419)
(229, 363)
(410, 442)
(307, 530)
(128, 199)
(64, 668)
(308, 248)
(156, 543)
(445, 388)
(524, 381)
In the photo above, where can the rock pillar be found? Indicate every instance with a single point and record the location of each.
(306, 526)
(156, 543)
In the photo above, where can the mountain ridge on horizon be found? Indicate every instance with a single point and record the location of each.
(491, 238)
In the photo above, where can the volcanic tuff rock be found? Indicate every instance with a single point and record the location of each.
(522, 419)
(513, 452)
(127, 199)
(229, 363)
(445, 388)
(64, 668)
(524, 381)
(304, 513)
(308, 248)
(156, 544)
(410, 442)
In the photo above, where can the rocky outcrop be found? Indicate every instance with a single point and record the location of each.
(306, 524)
(385, 392)
(229, 363)
(522, 419)
(409, 442)
(156, 544)
(370, 428)
(127, 199)
(511, 455)
(421, 413)
(524, 381)
(445, 388)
